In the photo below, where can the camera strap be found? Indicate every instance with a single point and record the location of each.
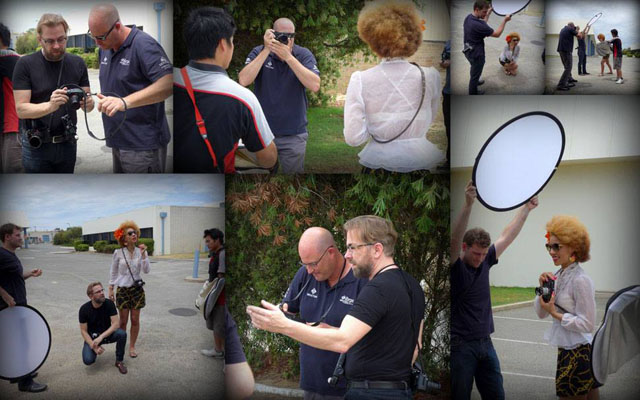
(424, 88)
(199, 121)
(57, 85)
(128, 267)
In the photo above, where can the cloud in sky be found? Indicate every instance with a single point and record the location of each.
(53, 201)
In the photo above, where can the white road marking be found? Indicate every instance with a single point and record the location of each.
(525, 319)
(519, 341)
(529, 376)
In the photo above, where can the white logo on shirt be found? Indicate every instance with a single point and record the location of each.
(104, 61)
(125, 62)
(247, 61)
(346, 300)
(269, 65)
(315, 68)
(164, 63)
(313, 293)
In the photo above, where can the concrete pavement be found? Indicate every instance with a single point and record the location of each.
(169, 364)
(594, 84)
(93, 156)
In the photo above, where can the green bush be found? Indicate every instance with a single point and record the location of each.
(99, 245)
(81, 247)
(110, 248)
(149, 243)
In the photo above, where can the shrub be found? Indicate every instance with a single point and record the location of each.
(99, 245)
(81, 247)
(149, 243)
(110, 248)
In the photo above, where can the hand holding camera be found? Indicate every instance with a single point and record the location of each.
(268, 37)
(58, 98)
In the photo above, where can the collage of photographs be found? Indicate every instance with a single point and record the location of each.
(319, 199)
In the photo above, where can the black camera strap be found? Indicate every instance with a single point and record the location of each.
(424, 88)
(128, 267)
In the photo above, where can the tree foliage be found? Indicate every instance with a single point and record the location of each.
(267, 215)
(68, 237)
(326, 27)
(27, 43)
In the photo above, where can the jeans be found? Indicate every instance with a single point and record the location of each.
(378, 394)
(582, 62)
(475, 358)
(49, 157)
(567, 60)
(119, 336)
(477, 64)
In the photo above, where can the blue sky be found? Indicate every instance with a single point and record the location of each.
(620, 14)
(53, 201)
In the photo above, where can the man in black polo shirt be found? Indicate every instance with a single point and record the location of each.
(322, 292)
(282, 72)
(45, 112)
(230, 112)
(12, 288)
(134, 66)
(99, 324)
(475, 30)
(214, 239)
(472, 353)
(380, 334)
(565, 48)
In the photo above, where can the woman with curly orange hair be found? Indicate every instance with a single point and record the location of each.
(572, 307)
(391, 106)
(509, 56)
(129, 261)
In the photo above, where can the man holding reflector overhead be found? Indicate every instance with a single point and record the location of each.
(472, 352)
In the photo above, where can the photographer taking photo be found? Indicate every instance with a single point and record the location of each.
(574, 317)
(47, 117)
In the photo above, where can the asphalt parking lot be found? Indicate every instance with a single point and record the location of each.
(169, 364)
(528, 363)
(592, 83)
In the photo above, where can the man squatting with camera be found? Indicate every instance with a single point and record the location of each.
(13, 291)
(132, 65)
(99, 324)
(390, 305)
(322, 292)
(48, 88)
(475, 30)
(472, 352)
(282, 72)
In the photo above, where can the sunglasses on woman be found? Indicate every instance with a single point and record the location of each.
(555, 247)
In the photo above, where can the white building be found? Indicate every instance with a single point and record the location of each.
(41, 236)
(174, 229)
(597, 181)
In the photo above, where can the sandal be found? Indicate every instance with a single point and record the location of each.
(133, 354)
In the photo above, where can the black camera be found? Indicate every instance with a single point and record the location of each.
(34, 137)
(69, 128)
(546, 290)
(420, 381)
(282, 37)
(138, 283)
(294, 317)
(75, 96)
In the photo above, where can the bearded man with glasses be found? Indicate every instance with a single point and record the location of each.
(322, 292)
(42, 104)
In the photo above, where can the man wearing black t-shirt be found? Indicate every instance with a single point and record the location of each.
(565, 49)
(99, 324)
(47, 117)
(12, 288)
(214, 239)
(472, 353)
(380, 334)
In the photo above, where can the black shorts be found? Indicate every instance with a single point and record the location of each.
(132, 298)
(573, 373)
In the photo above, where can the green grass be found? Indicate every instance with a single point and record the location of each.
(506, 295)
(327, 151)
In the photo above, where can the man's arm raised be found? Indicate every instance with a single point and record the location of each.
(511, 231)
(460, 226)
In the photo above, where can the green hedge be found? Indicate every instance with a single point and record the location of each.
(149, 243)
(90, 58)
(110, 248)
(81, 247)
(99, 245)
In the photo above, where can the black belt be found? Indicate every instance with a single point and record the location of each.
(377, 385)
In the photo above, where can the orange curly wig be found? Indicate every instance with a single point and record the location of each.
(571, 232)
(513, 35)
(123, 229)
(391, 28)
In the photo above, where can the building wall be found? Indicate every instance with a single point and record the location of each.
(187, 225)
(603, 195)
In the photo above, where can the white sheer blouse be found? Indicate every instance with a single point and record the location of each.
(576, 294)
(380, 102)
(119, 274)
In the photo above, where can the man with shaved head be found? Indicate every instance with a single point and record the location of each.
(322, 292)
(282, 72)
(133, 66)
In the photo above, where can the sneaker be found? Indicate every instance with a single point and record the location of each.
(480, 82)
(620, 81)
(33, 388)
(212, 353)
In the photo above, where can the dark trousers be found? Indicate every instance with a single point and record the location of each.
(582, 62)
(49, 157)
(567, 60)
(119, 337)
(477, 64)
(378, 394)
(475, 359)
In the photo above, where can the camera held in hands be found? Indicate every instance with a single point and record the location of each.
(75, 96)
(282, 37)
(546, 290)
(293, 317)
(420, 381)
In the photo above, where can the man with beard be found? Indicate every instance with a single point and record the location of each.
(99, 324)
(322, 292)
(380, 334)
(47, 117)
(12, 288)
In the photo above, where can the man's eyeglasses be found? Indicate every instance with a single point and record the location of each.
(98, 291)
(555, 247)
(354, 247)
(60, 40)
(131, 233)
(103, 37)
(315, 263)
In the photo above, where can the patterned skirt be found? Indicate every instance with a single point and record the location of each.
(573, 374)
(131, 298)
